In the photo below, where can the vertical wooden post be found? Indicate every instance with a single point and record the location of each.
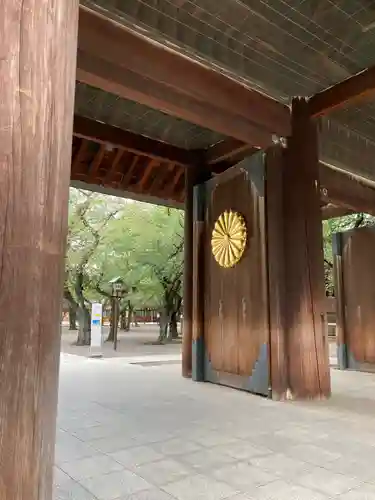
(37, 82)
(342, 353)
(191, 175)
(309, 375)
(276, 270)
(198, 285)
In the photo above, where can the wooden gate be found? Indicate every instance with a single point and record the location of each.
(236, 325)
(354, 252)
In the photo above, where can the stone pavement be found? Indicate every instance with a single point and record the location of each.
(141, 432)
(138, 342)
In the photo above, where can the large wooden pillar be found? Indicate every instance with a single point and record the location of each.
(37, 81)
(306, 340)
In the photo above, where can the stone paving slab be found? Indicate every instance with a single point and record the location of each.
(142, 432)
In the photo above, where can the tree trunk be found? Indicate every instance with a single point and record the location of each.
(173, 326)
(111, 334)
(163, 326)
(84, 326)
(129, 316)
(72, 318)
(135, 319)
(124, 323)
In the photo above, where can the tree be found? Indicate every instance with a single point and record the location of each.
(153, 256)
(139, 242)
(163, 255)
(88, 218)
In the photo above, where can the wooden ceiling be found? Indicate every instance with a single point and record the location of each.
(125, 164)
(146, 111)
(112, 158)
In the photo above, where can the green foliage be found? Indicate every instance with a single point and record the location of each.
(111, 237)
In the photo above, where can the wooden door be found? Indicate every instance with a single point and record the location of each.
(355, 289)
(236, 326)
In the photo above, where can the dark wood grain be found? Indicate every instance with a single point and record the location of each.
(117, 164)
(79, 156)
(119, 46)
(276, 271)
(138, 144)
(171, 186)
(349, 91)
(37, 80)
(128, 84)
(305, 313)
(147, 172)
(191, 178)
(340, 300)
(228, 150)
(236, 310)
(95, 164)
(358, 296)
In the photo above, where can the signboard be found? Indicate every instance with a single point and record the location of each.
(96, 325)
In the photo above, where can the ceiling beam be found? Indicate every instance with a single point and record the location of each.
(157, 199)
(230, 149)
(129, 85)
(123, 62)
(344, 191)
(344, 93)
(102, 133)
(330, 211)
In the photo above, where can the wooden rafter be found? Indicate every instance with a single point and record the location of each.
(129, 173)
(146, 174)
(342, 190)
(78, 157)
(228, 150)
(164, 172)
(120, 61)
(137, 144)
(344, 93)
(113, 168)
(170, 189)
(95, 164)
(330, 211)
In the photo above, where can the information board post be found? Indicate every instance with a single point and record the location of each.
(96, 331)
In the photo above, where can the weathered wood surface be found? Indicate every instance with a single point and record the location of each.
(357, 297)
(349, 91)
(276, 271)
(114, 58)
(198, 284)
(309, 375)
(37, 80)
(236, 309)
(187, 335)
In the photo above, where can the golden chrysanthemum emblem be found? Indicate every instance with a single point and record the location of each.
(228, 240)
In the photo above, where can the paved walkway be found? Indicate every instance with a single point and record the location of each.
(141, 432)
(139, 341)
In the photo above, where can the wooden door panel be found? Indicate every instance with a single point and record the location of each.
(236, 299)
(358, 282)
